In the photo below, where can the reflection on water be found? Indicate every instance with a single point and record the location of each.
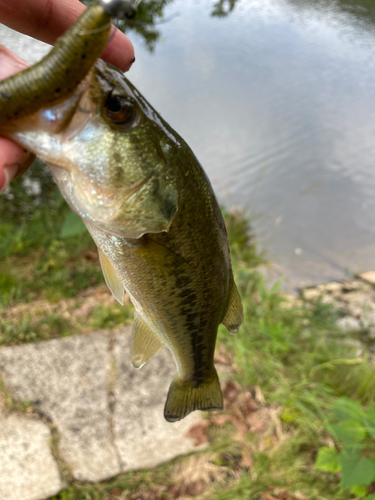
(151, 13)
(277, 100)
(359, 12)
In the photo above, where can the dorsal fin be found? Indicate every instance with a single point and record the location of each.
(234, 315)
(144, 344)
(111, 277)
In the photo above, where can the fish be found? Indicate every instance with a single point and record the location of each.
(144, 198)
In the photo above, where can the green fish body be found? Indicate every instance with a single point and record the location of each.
(154, 217)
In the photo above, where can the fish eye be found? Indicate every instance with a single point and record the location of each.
(120, 109)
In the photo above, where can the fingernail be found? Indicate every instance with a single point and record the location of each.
(9, 173)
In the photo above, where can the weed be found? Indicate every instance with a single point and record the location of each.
(353, 431)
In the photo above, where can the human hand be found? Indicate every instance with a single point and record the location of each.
(45, 20)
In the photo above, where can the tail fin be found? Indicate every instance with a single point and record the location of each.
(185, 397)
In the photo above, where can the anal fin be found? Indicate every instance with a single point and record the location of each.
(111, 278)
(144, 343)
(234, 316)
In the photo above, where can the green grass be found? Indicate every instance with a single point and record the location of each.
(59, 269)
(35, 261)
(35, 324)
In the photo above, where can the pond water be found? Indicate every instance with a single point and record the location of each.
(277, 100)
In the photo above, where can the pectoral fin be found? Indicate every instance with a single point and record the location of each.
(144, 343)
(234, 316)
(111, 278)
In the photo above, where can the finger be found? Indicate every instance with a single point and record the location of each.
(6, 176)
(119, 51)
(14, 160)
(49, 19)
(10, 63)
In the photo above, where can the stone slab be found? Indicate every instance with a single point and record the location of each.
(68, 380)
(368, 276)
(349, 324)
(142, 436)
(28, 470)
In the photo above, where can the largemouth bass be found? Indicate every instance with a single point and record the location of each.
(142, 195)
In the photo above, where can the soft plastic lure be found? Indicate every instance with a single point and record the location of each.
(58, 74)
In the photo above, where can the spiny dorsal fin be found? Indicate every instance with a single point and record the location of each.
(111, 278)
(234, 316)
(185, 397)
(144, 343)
